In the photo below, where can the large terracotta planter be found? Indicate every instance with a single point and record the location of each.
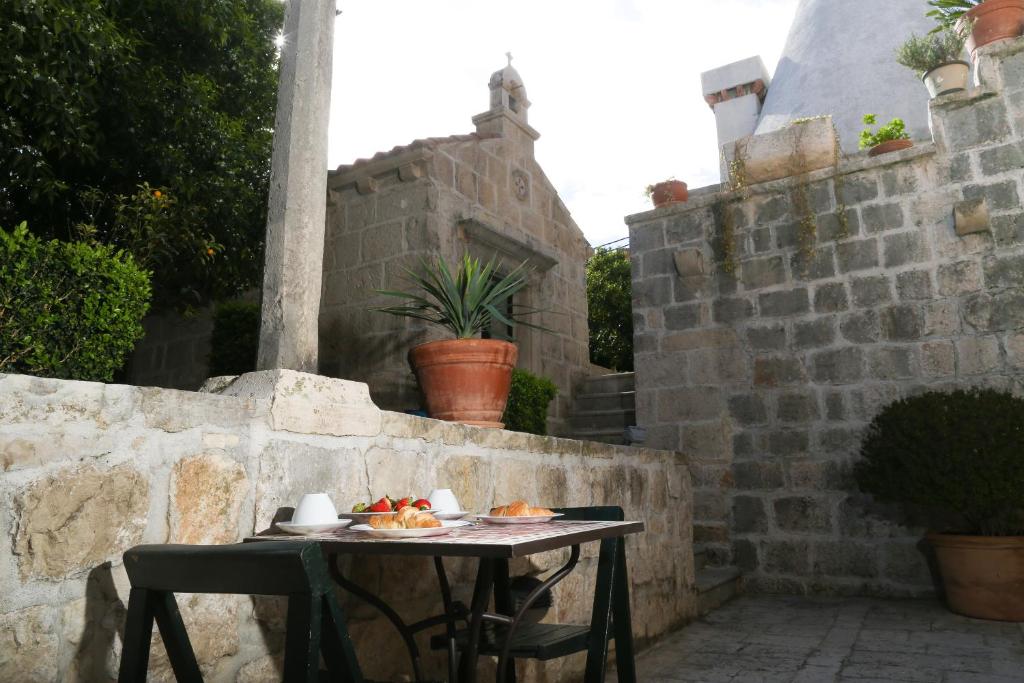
(994, 20)
(983, 575)
(465, 380)
(669, 192)
(889, 146)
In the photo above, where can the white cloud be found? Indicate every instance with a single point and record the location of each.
(615, 84)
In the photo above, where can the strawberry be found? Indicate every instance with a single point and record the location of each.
(382, 505)
(421, 504)
(402, 503)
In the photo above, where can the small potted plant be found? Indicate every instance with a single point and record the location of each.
(891, 137)
(465, 379)
(666, 192)
(936, 59)
(958, 459)
(990, 20)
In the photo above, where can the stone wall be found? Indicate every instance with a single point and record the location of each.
(445, 197)
(89, 470)
(767, 375)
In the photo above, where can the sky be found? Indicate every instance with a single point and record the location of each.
(614, 84)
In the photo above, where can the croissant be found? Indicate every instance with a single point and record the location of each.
(422, 520)
(540, 512)
(518, 508)
(385, 522)
(499, 511)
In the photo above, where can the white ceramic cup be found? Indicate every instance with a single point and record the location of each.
(443, 500)
(315, 508)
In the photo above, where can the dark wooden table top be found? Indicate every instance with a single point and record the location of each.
(477, 540)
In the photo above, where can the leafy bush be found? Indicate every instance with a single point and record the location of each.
(528, 401)
(235, 341)
(894, 130)
(959, 454)
(71, 310)
(610, 309)
(948, 12)
(924, 53)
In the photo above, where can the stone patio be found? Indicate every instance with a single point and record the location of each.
(819, 640)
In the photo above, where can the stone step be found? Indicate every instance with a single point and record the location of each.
(716, 586)
(623, 400)
(615, 383)
(700, 558)
(602, 419)
(612, 436)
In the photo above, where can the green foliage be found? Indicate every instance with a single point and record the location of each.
(894, 130)
(924, 53)
(99, 96)
(465, 303)
(610, 309)
(235, 341)
(71, 310)
(528, 401)
(948, 12)
(959, 453)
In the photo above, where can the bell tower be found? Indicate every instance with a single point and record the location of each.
(508, 115)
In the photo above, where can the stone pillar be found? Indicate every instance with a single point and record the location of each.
(293, 267)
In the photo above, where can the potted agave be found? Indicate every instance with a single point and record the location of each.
(990, 20)
(465, 379)
(667, 192)
(958, 458)
(936, 59)
(891, 137)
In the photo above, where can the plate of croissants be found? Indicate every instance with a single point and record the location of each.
(408, 523)
(518, 512)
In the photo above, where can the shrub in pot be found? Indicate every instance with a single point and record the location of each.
(959, 458)
(667, 192)
(465, 379)
(989, 20)
(936, 59)
(891, 137)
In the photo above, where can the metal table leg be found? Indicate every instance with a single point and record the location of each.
(385, 609)
(481, 596)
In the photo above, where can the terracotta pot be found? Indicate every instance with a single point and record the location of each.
(983, 575)
(465, 380)
(947, 78)
(889, 146)
(669, 192)
(994, 20)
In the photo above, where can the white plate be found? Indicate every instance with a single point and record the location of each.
(303, 529)
(445, 528)
(518, 520)
(456, 514)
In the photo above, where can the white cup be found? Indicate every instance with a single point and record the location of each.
(443, 500)
(315, 508)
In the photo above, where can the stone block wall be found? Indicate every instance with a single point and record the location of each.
(88, 470)
(480, 193)
(767, 375)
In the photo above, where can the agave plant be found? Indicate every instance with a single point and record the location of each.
(948, 12)
(465, 303)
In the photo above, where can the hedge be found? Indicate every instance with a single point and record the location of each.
(527, 407)
(235, 339)
(70, 310)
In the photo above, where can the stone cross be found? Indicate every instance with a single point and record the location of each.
(293, 265)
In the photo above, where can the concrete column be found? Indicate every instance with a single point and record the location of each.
(293, 267)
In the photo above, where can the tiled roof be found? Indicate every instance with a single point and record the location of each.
(429, 143)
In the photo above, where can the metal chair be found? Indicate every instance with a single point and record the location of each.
(315, 622)
(610, 613)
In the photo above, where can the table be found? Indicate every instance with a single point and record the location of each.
(493, 545)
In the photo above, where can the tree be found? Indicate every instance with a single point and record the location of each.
(108, 103)
(610, 306)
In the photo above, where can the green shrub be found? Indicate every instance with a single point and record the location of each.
(894, 130)
(610, 309)
(924, 53)
(958, 456)
(527, 407)
(236, 338)
(71, 310)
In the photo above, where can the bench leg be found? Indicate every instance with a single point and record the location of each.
(175, 637)
(138, 634)
(302, 641)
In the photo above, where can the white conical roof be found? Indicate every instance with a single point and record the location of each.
(839, 59)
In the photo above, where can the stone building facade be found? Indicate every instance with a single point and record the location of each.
(767, 375)
(483, 193)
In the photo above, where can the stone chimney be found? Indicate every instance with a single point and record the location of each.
(736, 92)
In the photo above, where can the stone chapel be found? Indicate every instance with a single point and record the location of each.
(483, 193)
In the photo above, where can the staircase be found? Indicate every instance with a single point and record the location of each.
(603, 406)
(715, 585)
